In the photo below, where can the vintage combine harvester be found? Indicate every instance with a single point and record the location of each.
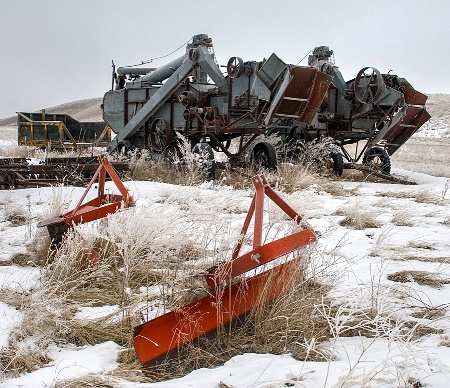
(190, 96)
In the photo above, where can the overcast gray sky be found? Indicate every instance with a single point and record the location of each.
(56, 51)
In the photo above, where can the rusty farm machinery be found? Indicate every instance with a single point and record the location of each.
(234, 113)
(234, 289)
(150, 108)
(60, 131)
(359, 123)
(20, 172)
(92, 210)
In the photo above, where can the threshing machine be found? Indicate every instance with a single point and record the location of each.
(191, 96)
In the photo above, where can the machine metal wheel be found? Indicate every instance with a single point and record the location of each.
(235, 67)
(205, 159)
(368, 85)
(264, 156)
(160, 135)
(379, 160)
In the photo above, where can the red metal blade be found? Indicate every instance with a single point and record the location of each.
(159, 336)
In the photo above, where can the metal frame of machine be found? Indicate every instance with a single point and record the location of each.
(60, 131)
(190, 96)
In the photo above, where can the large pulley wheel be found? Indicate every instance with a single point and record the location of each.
(368, 85)
(160, 135)
(187, 98)
(235, 67)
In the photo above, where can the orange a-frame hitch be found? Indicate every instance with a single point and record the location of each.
(94, 209)
(157, 337)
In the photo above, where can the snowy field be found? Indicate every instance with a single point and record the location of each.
(382, 247)
(413, 224)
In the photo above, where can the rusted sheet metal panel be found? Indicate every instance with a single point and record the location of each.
(414, 118)
(300, 94)
(412, 96)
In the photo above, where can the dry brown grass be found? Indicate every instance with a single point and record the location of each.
(292, 177)
(16, 216)
(397, 194)
(420, 277)
(421, 244)
(428, 259)
(145, 168)
(420, 330)
(432, 159)
(88, 381)
(429, 313)
(179, 167)
(426, 196)
(14, 151)
(16, 360)
(445, 341)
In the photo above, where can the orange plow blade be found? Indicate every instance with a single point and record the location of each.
(226, 303)
(92, 210)
(170, 331)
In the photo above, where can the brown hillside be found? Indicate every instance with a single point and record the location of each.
(82, 110)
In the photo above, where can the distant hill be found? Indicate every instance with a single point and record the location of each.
(82, 110)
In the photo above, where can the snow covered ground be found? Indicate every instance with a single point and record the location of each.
(414, 225)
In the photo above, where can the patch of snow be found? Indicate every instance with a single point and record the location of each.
(9, 317)
(70, 363)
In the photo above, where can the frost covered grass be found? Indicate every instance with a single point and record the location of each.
(358, 216)
(365, 305)
(147, 268)
(13, 150)
(185, 165)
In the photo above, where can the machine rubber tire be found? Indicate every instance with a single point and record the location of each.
(206, 153)
(378, 159)
(124, 148)
(337, 161)
(264, 156)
